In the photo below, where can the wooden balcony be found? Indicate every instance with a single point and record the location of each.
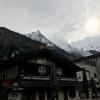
(45, 80)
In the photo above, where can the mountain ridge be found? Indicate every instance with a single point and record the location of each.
(13, 42)
(39, 37)
(89, 43)
(65, 46)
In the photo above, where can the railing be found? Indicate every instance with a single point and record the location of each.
(31, 77)
(67, 79)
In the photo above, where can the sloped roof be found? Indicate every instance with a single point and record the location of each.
(48, 54)
(87, 57)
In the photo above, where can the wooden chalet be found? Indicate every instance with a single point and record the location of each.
(39, 75)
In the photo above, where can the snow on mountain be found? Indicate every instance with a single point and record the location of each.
(65, 46)
(59, 48)
(39, 37)
(93, 46)
(90, 43)
(72, 49)
(85, 52)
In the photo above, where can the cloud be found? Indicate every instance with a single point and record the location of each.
(61, 20)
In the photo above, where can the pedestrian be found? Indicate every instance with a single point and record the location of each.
(93, 87)
(85, 84)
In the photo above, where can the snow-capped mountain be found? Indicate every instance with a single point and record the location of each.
(90, 44)
(84, 52)
(65, 46)
(39, 37)
(73, 50)
(13, 43)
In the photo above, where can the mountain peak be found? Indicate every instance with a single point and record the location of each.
(2, 27)
(39, 37)
(38, 31)
(11, 42)
(65, 46)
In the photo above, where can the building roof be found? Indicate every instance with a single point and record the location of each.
(48, 54)
(87, 57)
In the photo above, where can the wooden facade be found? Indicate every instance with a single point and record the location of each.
(39, 75)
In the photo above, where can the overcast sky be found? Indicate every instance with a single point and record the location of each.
(58, 20)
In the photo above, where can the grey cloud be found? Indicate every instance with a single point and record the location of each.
(59, 20)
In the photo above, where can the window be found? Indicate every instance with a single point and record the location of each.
(59, 71)
(79, 77)
(4, 74)
(97, 83)
(42, 70)
(95, 75)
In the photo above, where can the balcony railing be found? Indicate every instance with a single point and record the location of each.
(46, 78)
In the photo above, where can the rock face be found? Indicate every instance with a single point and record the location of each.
(13, 43)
